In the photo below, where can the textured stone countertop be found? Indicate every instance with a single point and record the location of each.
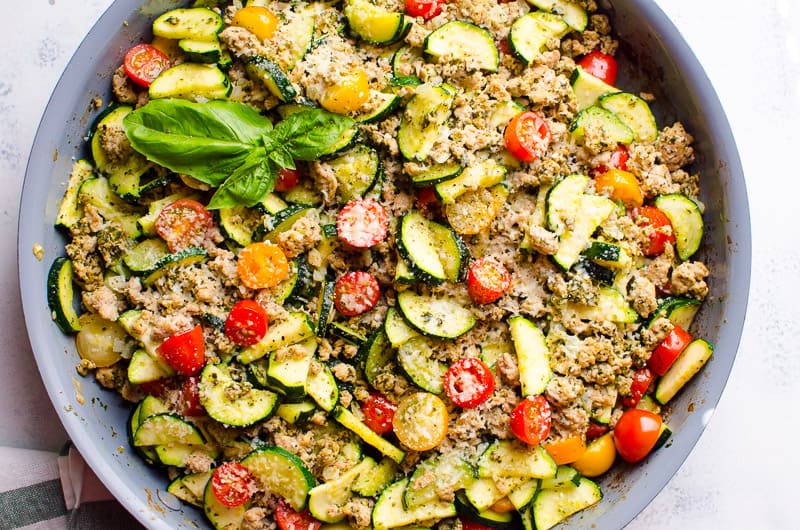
(742, 471)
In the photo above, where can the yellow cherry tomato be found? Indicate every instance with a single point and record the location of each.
(565, 450)
(349, 94)
(621, 186)
(420, 421)
(598, 458)
(258, 20)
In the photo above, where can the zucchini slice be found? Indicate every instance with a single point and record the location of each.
(483, 174)
(325, 307)
(287, 374)
(389, 512)
(284, 219)
(424, 116)
(598, 118)
(301, 31)
(199, 51)
(60, 296)
(379, 106)
(503, 112)
(190, 488)
(396, 328)
(375, 479)
(402, 60)
(295, 328)
(607, 254)
(530, 32)
(588, 88)
(166, 429)
(436, 174)
(592, 211)
(551, 506)
(357, 170)
(175, 455)
(296, 413)
(143, 368)
(375, 24)
(522, 495)
(450, 473)
(488, 518)
(321, 386)
(282, 473)
(464, 42)
(335, 493)
(191, 81)
(564, 475)
(269, 73)
(680, 311)
(634, 112)
(347, 334)
(183, 258)
(572, 12)
(511, 459)
(483, 492)
(417, 246)
(686, 220)
(370, 437)
(216, 389)
(144, 257)
(533, 356)
(688, 363)
(69, 211)
(376, 354)
(191, 23)
(239, 223)
(610, 305)
(562, 202)
(437, 317)
(453, 252)
(221, 517)
(415, 357)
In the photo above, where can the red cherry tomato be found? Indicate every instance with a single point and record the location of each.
(469, 524)
(156, 388)
(641, 382)
(426, 198)
(618, 160)
(595, 431)
(144, 62)
(636, 433)
(530, 420)
(427, 9)
(232, 484)
(185, 352)
(660, 229)
(527, 136)
(288, 519)
(362, 223)
(246, 323)
(503, 46)
(487, 280)
(600, 65)
(669, 349)
(378, 413)
(356, 292)
(468, 382)
(189, 398)
(287, 179)
(183, 224)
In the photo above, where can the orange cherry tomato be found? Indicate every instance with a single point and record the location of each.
(565, 450)
(349, 94)
(487, 280)
(246, 323)
(185, 352)
(600, 65)
(184, 223)
(598, 457)
(527, 136)
(669, 349)
(660, 229)
(636, 433)
(144, 62)
(258, 20)
(530, 420)
(262, 265)
(620, 186)
(232, 484)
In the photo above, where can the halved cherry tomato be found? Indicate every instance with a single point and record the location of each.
(660, 229)
(288, 519)
(287, 179)
(600, 65)
(348, 94)
(598, 457)
(246, 323)
(565, 450)
(527, 136)
(636, 433)
(232, 484)
(158, 387)
(669, 349)
(378, 413)
(144, 62)
(183, 224)
(621, 186)
(503, 46)
(468, 382)
(185, 352)
(420, 421)
(595, 430)
(641, 382)
(362, 223)
(189, 398)
(530, 420)
(258, 20)
(427, 9)
(618, 160)
(262, 265)
(487, 280)
(356, 292)
(426, 198)
(469, 524)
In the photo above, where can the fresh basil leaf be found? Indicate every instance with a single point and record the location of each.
(208, 141)
(248, 184)
(310, 133)
(282, 157)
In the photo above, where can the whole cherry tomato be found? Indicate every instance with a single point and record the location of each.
(636, 433)
(287, 179)
(600, 65)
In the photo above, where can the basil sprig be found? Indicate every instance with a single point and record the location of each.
(229, 145)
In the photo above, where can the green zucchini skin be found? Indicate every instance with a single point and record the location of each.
(60, 296)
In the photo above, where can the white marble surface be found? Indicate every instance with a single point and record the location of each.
(742, 472)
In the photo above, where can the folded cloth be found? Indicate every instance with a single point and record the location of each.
(40, 490)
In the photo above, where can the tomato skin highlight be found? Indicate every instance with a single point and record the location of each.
(143, 63)
(246, 323)
(600, 65)
(657, 221)
(362, 223)
(669, 349)
(184, 223)
(527, 136)
(378, 413)
(288, 519)
(636, 433)
(427, 9)
(487, 280)
(185, 352)
(530, 420)
(641, 382)
(258, 20)
(468, 382)
(287, 179)
(356, 292)
(232, 484)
